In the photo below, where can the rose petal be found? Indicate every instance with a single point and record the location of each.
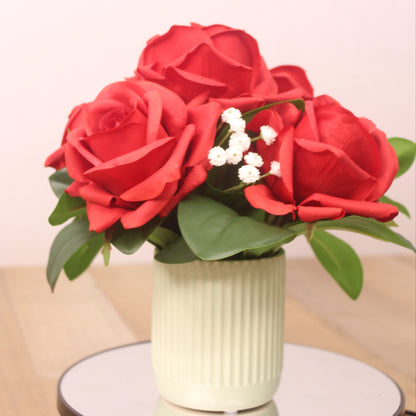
(268, 117)
(174, 112)
(78, 160)
(237, 45)
(188, 85)
(154, 115)
(325, 169)
(167, 48)
(195, 177)
(340, 128)
(204, 118)
(388, 161)
(263, 83)
(125, 172)
(280, 151)
(234, 74)
(102, 217)
(56, 159)
(74, 189)
(152, 186)
(242, 103)
(377, 210)
(261, 197)
(307, 127)
(110, 144)
(148, 209)
(289, 77)
(94, 193)
(316, 213)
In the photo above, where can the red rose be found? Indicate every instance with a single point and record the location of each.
(332, 164)
(57, 159)
(218, 63)
(292, 82)
(135, 152)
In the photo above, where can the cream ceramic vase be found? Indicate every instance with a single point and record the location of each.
(217, 332)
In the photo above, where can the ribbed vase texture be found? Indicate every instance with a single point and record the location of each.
(217, 332)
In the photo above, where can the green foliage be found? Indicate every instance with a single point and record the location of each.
(106, 252)
(340, 261)
(298, 103)
(83, 257)
(129, 241)
(59, 181)
(73, 240)
(176, 252)
(162, 237)
(405, 151)
(66, 208)
(214, 232)
(367, 226)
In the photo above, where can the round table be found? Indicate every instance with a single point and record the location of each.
(119, 382)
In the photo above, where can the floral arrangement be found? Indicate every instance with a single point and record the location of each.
(208, 154)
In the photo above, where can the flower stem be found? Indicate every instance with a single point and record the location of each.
(270, 218)
(224, 138)
(238, 187)
(242, 184)
(254, 139)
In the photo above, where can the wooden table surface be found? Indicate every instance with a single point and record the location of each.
(41, 334)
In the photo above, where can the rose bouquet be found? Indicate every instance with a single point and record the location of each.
(208, 154)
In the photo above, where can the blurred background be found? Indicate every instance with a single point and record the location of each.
(55, 55)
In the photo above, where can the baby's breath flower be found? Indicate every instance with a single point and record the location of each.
(230, 114)
(275, 169)
(217, 156)
(248, 174)
(237, 125)
(241, 140)
(268, 134)
(234, 155)
(253, 159)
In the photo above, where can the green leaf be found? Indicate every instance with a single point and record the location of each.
(234, 200)
(398, 205)
(129, 241)
(59, 181)
(83, 257)
(362, 225)
(68, 241)
(340, 261)
(106, 252)
(66, 208)
(267, 251)
(176, 253)
(298, 103)
(162, 237)
(214, 232)
(405, 151)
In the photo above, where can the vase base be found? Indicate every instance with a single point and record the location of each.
(216, 399)
(165, 408)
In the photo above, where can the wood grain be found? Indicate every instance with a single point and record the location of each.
(41, 334)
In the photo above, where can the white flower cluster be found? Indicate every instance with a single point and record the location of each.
(232, 116)
(217, 156)
(275, 169)
(248, 174)
(268, 134)
(239, 143)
